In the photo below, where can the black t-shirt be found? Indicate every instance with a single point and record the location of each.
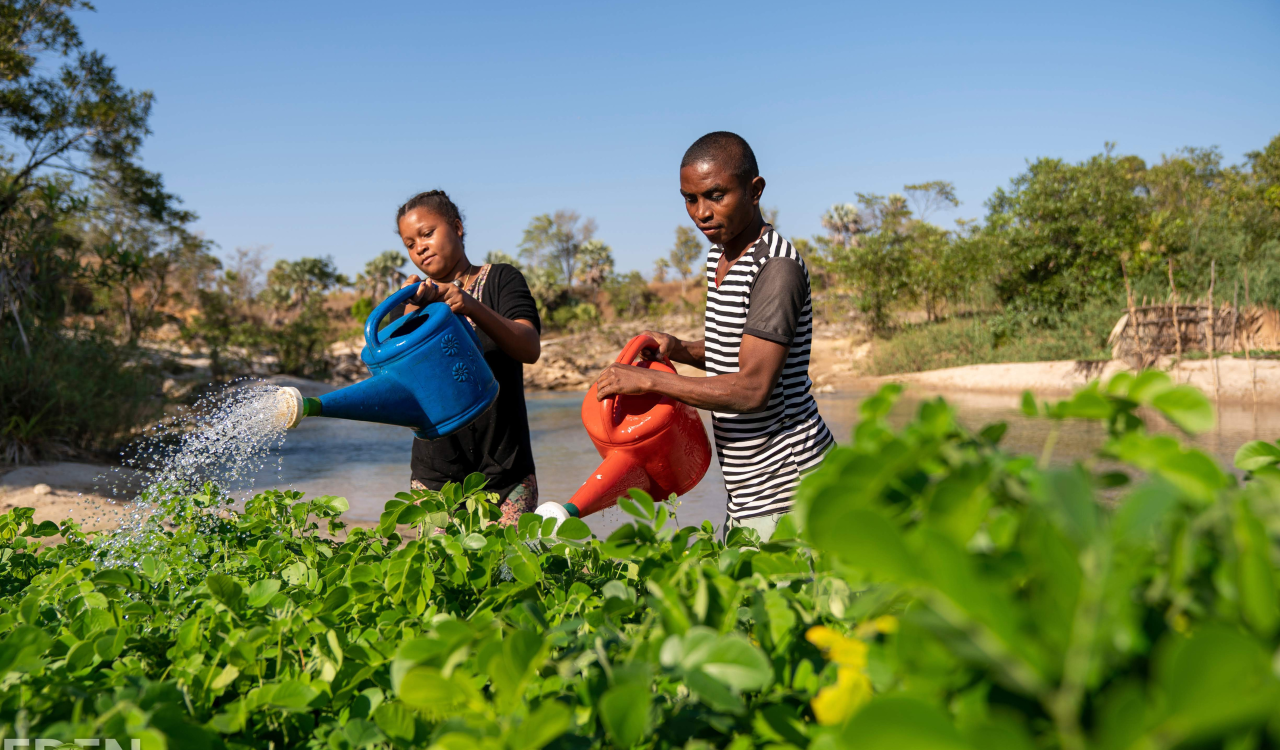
(497, 444)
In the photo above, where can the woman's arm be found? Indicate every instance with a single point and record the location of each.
(518, 338)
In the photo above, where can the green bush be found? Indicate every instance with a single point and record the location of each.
(941, 594)
(1005, 337)
(576, 316)
(73, 393)
(362, 309)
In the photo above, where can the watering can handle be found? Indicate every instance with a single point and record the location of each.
(628, 355)
(400, 297)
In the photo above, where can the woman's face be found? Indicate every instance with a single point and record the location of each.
(433, 245)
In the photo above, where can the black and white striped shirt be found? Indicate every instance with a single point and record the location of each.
(763, 455)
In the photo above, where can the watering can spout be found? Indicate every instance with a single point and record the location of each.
(427, 374)
(615, 475)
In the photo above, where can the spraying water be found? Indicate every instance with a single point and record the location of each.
(219, 444)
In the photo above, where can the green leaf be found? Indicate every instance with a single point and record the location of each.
(624, 711)
(1143, 510)
(337, 599)
(737, 663)
(1148, 384)
(1254, 573)
(80, 656)
(1072, 503)
(21, 650)
(225, 589)
(293, 695)
(425, 688)
(395, 720)
(1256, 454)
(1029, 407)
(638, 504)
(474, 483)
(573, 529)
(410, 514)
(260, 592)
(362, 733)
(125, 579)
(1087, 404)
(865, 540)
(543, 726)
(44, 528)
(891, 723)
(1186, 407)
(295, 573)
(1214, 682)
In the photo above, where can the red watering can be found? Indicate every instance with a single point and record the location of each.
(648, 441)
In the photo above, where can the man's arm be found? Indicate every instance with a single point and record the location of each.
(741, 392)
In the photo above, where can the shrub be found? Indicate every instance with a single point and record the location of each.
(575, 316)
(1004, 337)
(73, 393)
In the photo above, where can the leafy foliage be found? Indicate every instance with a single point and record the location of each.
(941, 593)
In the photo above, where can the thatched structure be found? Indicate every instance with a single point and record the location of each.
(1157, 334)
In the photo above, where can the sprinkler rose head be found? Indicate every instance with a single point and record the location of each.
(554, 510)
(291, 408)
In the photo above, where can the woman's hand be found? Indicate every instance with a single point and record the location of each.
(428, 291)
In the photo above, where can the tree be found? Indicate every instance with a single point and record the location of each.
(555, 241)
(66, 116)
(843, 223)
(136, 251)
(928, 197)
(497, 256)
(1066, 228)
(383, 274)
(292, 285)
(595, 263)
(686, 254)
(661, 267)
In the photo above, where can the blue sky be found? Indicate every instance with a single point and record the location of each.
(302, 126)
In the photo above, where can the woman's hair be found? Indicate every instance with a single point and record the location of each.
(435, 201)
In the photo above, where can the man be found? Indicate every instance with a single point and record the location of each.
(755, 348)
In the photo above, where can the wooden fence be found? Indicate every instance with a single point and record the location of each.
(1150, 332)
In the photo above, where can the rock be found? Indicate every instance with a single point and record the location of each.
(41, 489)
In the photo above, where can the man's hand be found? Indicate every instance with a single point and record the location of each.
(622, 380)
(457, 300)
(668, 345)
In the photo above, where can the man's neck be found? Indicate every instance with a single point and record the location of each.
(744, 239)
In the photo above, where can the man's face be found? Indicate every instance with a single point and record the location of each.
(718, 202)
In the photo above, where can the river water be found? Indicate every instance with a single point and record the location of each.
(368, 463)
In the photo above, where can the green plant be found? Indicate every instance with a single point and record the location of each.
(77, 392)
(930, 591)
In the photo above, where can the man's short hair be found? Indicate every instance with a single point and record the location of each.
(728, 149)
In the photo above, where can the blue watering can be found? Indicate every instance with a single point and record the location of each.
(428, 374)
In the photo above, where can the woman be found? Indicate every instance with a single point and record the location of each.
(495, 299)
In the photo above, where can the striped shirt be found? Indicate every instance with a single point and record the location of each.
(763, 455)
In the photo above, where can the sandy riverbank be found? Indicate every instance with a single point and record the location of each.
(1236, 380)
